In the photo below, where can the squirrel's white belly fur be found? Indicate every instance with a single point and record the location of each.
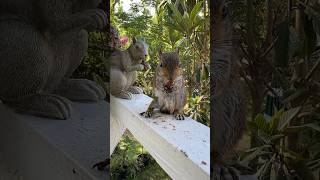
(170, 101)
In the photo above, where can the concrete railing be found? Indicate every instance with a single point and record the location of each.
(181, 148)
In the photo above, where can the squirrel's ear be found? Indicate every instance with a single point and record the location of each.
(177, 50)
(134, 40)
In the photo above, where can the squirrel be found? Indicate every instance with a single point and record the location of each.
(42, 42)
(227, 101)
(168, 86)
(124, 66)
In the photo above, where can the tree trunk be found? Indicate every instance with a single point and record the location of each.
(292, 140)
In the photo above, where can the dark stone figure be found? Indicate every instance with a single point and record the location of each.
(41, 43)
(227, 101)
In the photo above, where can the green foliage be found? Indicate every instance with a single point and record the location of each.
(272, 158)
(130, 161)
(280, 53)
(94, 63)
(174, 25)
(169, 28)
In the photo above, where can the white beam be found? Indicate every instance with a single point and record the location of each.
(182, 148)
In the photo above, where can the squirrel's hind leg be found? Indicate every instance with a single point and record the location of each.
(72, 49)
(180, 101)
(118, 83)
(154, 104)
(44, 105)
(25, 64)
(81, 90)
(178, 114)
(124, 95)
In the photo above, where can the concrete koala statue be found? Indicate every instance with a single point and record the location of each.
(41, 43)
(124, 66)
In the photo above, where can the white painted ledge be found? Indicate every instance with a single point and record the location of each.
(46, 149)
(182, 148)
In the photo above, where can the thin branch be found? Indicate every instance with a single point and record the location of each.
(309, 75)
(250, 26)
(270, 22)
(245, 53)
(269, 48)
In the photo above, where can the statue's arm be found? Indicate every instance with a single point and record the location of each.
(127, 66)
(61, 19)
(137, 67)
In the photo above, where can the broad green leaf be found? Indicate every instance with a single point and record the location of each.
(274, 122)
(261, 123)
(176, 12)
(264, 170)
(293, 155)
(174, 26)
(253, 155)
(259, 147)
(313, 126)
(186, 23)
(277, 137)
(195, 10)
(295, 129)
(294, 96)
(273, 172)
(162, 3)
(302, 170)
(287, 116)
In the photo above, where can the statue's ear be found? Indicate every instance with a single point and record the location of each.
(134, 40)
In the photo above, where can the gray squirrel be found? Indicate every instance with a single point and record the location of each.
(41, 43)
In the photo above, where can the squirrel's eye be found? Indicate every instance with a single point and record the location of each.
(161, 65)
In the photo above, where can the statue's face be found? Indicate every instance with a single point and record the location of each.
(141, 50)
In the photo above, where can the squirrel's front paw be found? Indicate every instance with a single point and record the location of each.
(135, 90)
(141, 67)
(146, 114)
(98, 18)
(124, 95)
(179, 116)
